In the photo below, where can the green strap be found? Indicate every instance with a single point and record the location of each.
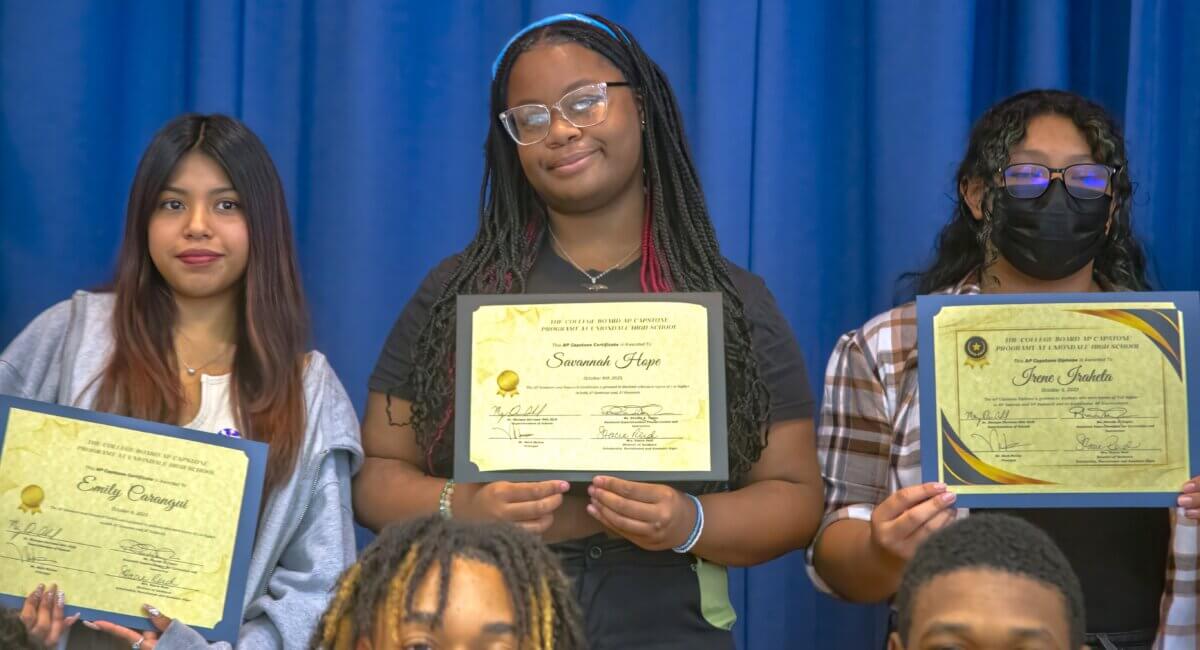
(714, 594)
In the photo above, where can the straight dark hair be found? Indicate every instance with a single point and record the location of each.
(142, 377)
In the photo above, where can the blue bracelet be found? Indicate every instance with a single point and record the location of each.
(696, 530)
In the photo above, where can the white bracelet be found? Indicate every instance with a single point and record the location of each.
(696, 530)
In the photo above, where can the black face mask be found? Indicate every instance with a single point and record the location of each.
(1052, 236)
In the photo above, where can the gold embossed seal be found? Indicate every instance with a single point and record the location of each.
(508, 381)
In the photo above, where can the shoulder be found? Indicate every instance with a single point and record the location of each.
(81, 307)
(440, 273)
(748, 283)
(887, 339)
(332, 422)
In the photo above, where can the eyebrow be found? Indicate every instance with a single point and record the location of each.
(1020, 633)
(179, 190)
(575, 85)
(495, 628)
(1079, 158)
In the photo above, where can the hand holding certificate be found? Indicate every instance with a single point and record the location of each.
(1058, 400)
(120, 512)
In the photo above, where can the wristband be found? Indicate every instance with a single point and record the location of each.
(444, 507)
(696, 530)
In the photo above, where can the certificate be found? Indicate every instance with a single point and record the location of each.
(1056, 400)
(568, 386)
(120, 512)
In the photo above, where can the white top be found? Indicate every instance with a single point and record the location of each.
(216, 407)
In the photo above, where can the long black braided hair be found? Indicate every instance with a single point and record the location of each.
(964, 244)
(679, 250)
(380, 588)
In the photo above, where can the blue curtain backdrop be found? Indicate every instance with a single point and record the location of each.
(826, 134)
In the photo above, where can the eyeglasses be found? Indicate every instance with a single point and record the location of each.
(585, 106)
(1083, 180)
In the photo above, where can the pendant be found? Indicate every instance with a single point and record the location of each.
(594, 286)
(190, 371)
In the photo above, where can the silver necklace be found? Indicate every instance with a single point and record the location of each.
(192, 370)
(594, 286)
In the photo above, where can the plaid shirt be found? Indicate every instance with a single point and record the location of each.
(869, 444)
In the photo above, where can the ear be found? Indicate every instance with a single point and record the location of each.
(971, 191)
(895, 644)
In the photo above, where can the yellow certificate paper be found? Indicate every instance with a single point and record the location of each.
(119, 516)
(1057, 400)
(624, 385)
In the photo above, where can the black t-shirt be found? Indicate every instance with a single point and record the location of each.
(780, 362)
(1120, 556)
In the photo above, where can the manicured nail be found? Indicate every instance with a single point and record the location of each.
(90, 625)
(564, 486)
(1192, 514)
(591, 490)
(152, 610)
(591, 509)
(38, 592)
(940, 487)
(1189, 487)
(1184, 501)
(62, 598)
(948, 497)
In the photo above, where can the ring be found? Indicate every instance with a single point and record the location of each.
(138, 644)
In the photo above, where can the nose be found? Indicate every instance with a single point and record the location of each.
(197, 226)
(561, 129)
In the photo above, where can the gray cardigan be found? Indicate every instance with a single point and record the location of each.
(306, 535)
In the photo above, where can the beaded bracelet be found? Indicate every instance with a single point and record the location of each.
(444, 506)
(696, 530)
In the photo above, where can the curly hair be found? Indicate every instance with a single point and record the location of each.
(963, 245)
(998, 542)
(391, 569)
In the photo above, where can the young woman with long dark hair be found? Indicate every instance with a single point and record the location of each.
(206, 327)
(589, 186)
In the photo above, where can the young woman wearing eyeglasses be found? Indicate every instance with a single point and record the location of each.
(589, 186)
(1044, 202)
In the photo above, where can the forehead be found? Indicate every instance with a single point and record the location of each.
(196, 169)
(991, 602)
(548, 70)
(477, 594)
(1053, 139)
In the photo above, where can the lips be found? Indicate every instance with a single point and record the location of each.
(571, 163)
(198, 256)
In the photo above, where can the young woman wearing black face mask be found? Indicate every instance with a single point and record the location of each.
(1044, 206)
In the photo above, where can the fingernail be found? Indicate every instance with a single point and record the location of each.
(91, 625)
(152, 610)
(40, 589)
(1189, 487)
(949, 497)
(1192, 514)
(940, 487)
(1184, 501)
(591, 509)
(62, 597)
(591, 490)
(564, 486)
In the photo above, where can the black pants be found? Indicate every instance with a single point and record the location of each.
(633, 598)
